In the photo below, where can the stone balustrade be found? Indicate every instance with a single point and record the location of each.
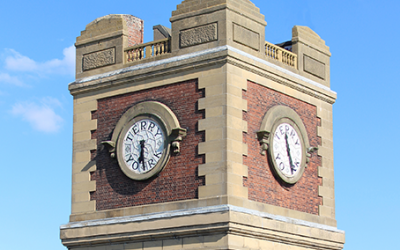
(147, 50)
(282, 55)
(160, 47)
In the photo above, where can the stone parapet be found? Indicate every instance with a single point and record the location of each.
(100, 47)
(313, 55)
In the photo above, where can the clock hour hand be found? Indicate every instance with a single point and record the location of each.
(288, 152)
(141, 157)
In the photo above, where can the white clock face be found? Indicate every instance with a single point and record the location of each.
(287, 150)
(143, 146)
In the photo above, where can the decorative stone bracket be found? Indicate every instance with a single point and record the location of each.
(263, 138)
(110, 145)
(176, 137)
(310, 150)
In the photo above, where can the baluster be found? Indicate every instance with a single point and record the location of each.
(127, 56)
(130, 55)
(161, 48)
(147, 52)
(279, 55)
(157, 49)
(158, 46)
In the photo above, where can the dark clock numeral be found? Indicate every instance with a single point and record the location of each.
(151, 126)
(130, 158)
(151, 163)
(158, 155)
(292, 133)
(281, 166)
(143, 125)
(135, 129)
(158, 132)
(135, 165)
(278, 157)
(130, 136)
(287, 129)
(277, 136)
(282, 130)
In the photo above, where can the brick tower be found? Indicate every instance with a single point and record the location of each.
(206, 138)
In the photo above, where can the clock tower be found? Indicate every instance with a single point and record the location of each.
(208, 137)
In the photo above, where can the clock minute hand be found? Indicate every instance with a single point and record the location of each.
(288, 152)
(141, 157)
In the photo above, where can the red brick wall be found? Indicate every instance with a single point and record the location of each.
(135, 30)
(262, 185)
(179, 180)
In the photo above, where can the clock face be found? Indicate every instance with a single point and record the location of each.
(287, 150)
(143, 145)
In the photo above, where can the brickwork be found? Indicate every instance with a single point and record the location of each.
(135, 28)
(262, 185)
(179, 180)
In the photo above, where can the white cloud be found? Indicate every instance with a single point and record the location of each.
(6, 78)
(41, 116)
(20, 63)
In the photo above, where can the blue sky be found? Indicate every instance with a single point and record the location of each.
(37, 64)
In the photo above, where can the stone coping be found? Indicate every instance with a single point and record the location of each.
(196, 211)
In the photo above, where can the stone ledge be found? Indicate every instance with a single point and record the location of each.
(226, 219)
(194, 211)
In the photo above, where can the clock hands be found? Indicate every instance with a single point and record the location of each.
(288, 152)
(141, 157)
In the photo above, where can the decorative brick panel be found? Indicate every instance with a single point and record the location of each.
(179, 180)
(262, 185)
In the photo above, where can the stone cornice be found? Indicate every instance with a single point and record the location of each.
(227, 223)
(194, 211)
(222, 54)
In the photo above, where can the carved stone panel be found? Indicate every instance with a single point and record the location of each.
(98, 59)
(198, 35)
(246, 37)
(314, 67)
